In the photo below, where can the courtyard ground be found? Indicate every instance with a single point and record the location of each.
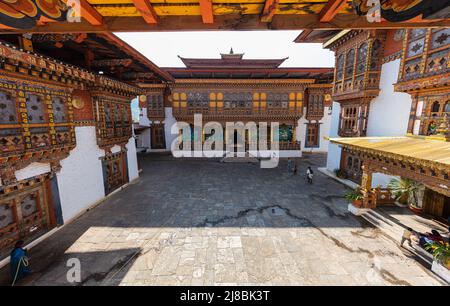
(202, 222)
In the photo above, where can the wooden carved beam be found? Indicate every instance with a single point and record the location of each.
(224, 22)
(90, 14)
(145, 8)
(331, 9)
(269, 10)
(206, 9)
(123, 62)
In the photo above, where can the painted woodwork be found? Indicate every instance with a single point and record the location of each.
(115, 170)
(357, 78)
(25, 14)
(425, 63)
(27, 210)
(351, 165)
(312, 135)
(425, 74)
(36, 125)
(434, 176)
(158, 139)
(402, 10)
(145, 15)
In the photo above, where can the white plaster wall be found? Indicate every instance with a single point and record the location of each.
(31, 170)
(80, 180)
(334, 151)
(168, 122)
(389, 112)
(133, 172)
(324, 132)
(143, 118)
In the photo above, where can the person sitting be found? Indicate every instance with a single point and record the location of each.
(435, 236)
(19, 262)
(407, 233)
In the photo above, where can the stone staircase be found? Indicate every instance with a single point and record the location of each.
(248, 158)
(394, 231)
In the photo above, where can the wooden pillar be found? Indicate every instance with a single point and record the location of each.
(366, 187)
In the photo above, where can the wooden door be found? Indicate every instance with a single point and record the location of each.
(25, 215)
(158, 138)
(433, 203)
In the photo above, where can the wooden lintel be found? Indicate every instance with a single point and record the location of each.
(206, 10)
(225, 23)
(145, 8)
(90, 14)
(331, 9)
(269, 10)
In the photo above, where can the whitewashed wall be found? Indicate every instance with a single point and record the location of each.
(133, 172)
(31, 170)
(389, 112)
(80, 180)
(143, 118)
(325, 124)
(334, 151)
(168, 122)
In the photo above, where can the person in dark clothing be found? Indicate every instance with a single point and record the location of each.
(19, 262)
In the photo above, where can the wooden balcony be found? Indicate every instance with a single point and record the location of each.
(238, 113)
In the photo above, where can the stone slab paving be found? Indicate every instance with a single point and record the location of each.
(202, 222)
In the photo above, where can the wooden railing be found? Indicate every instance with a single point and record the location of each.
(243, 112)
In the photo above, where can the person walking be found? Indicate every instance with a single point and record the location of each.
(290, 165)
(309, 175)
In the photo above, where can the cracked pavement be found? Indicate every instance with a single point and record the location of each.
(201, 222)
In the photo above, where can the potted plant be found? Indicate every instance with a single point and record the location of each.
(406, 191)
(340, 173)
(355, 197)
(441, 262)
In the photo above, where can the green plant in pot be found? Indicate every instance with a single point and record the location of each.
(406, 191)
(340, 173)
(441, 252)
(355, 197)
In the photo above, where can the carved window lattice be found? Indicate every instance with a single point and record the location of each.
(375, 56)
(277, 100)
(315, 105)
(437, 62)
(59, 110)
(440, 38)
(412, 68)
(40, 137)
(340, 67)
(362, 57)
(350, 63)
(416, 43)
(155, 105)
(35, 109)
(197, 100)
(237, 100)
(8, 111)
(22, 215)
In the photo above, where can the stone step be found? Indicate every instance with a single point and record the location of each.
(394, 232)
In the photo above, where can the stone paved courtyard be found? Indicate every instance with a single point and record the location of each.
(201, 222)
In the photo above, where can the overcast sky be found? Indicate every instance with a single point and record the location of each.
(163, 48)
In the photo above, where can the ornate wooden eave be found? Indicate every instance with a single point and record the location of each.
(38, 66)
(364, 96)
(419, 159)
(437, 82)
(109, 85)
